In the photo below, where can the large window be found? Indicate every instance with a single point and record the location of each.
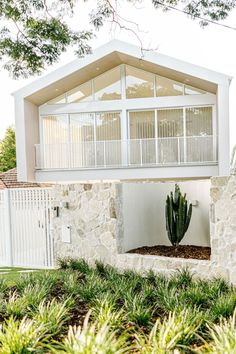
(108, 139)
(142, 135)
(189, 90)
(82, 140)
(166, 87)
(81, 93)
(142, 124)
(199, 132)
(55, 129)
(108, 86)
(139, 83)
(183, 135)
(55, 138)
(170, 128)
(170, 123)
(199, 121)
(81, 127)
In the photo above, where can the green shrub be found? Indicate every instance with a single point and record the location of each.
(94, 338)
(176, 331)
(15, 306)
(222, 337)
(53, 315)
(19, 337)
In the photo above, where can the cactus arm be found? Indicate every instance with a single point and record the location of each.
(168, 224)
(188, 217)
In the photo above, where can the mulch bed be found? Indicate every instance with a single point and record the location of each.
(182, 251)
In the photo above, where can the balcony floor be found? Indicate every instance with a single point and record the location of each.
(198, 170)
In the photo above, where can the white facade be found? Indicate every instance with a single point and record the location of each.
(119, 114)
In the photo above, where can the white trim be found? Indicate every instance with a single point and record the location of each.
(8, 236)
(130, 104)
(186, 171)
(184, 133)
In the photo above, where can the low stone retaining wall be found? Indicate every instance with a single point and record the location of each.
(93, 213)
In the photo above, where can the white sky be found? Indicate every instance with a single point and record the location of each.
(172, 33)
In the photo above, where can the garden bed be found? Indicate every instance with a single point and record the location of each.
(43, 312)
(182, 251)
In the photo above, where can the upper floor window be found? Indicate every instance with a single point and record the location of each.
(199, 121)
(81, 93)
(167, 87)
(108, 86)
(137, 83)
(189, 90)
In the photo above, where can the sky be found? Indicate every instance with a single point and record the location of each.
(171, 33)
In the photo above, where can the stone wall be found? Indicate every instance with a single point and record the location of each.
(91, 216)
(94, 214)
(223, 225)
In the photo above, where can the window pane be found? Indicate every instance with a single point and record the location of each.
(170, 123)
(108, 135)
(80, 93)
(108, 126)
(81, 127)
(108, 86)
(188, 90)
(55, 141)
(142, 133)
(139, 83)
(82, 140)
(166, 87)
(199, 121)
(142, 125)
(58, 100)
(170, 127)
(55, 129)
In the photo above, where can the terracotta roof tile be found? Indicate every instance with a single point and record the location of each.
(9, 180)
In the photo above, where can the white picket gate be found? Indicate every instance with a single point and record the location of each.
(25, 237)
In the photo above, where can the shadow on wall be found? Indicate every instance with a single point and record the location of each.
(144, 213)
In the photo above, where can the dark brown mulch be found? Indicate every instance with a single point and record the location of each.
(182, 251)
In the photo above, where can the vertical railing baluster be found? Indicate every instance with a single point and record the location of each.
(179, 159)
(104, 152)
(141, 152)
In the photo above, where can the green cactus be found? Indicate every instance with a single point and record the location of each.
(178, 216)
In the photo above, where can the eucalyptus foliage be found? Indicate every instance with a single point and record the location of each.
(34, 33)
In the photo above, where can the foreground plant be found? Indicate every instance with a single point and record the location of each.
(93, 338)
(223, 336)
(104, 309)
(15, 306)
(53, 315)
(175, 332)
(20, 336)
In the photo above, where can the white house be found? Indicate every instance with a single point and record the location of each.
(123, 114)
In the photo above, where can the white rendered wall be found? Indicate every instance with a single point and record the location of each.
(144, 213)
(27, 135)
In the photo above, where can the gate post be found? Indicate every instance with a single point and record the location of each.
(7, 201)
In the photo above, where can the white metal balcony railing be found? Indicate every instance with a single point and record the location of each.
(130, 153)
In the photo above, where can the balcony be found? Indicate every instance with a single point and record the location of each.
(160, 152)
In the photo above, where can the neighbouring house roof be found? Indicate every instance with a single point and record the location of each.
(9, 180)
(113, 54)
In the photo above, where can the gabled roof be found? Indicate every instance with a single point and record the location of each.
(8, 180)
(113, 54)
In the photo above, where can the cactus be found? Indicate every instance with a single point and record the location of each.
(178, 216)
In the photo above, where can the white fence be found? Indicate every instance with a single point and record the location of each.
(25, 237)
(133, 152)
